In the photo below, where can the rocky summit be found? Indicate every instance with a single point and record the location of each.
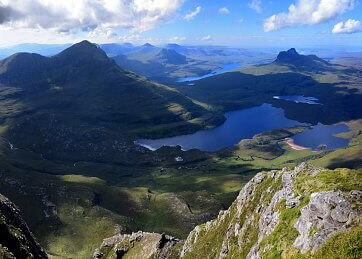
(305, 62)
(305, 212)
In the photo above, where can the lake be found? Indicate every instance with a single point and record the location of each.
(222, 69)
(246, 123)
(322, 135)
(298, 99)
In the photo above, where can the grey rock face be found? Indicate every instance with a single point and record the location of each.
(269, 215)
(254, 253)
(154, 245)
(326, 214)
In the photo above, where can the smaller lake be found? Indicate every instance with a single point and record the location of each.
(298, 99)
(322, 135)
(222, 69)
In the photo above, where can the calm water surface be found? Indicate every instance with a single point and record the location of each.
(239, 125)
(222, 69)
(298, 99)
(246, 123)
(322, 135)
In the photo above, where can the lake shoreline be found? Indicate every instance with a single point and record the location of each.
(294, 146)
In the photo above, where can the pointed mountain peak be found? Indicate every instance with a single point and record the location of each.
(148, 45)
(82, 52)
(85, 43)
(287, 55)
(83, 46)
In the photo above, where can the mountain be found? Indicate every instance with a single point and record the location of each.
(307, 62)
(305, 212)
(161, 64)
(170, 56)
(42, 49)
(114, 49)
(81, 89)
(147, 45)
(16, 240)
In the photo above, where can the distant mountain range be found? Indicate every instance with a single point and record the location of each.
(175, 61)
(162, 64)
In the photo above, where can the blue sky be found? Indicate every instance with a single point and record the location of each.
(243, 23)
(243, 26)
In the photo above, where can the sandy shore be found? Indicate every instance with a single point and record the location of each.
(294, 146)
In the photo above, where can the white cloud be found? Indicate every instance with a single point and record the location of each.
(224, 10)
(130, 38)
(206, 38)
(256, 5)
(308, 12)
(348, 27)
(177, 39)
(86, 15)
(191, 15)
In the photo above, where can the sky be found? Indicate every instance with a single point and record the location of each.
(241, 23)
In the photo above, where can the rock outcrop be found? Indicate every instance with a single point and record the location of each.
(140, 245)
(301, 212)
(277, 214)
(326, 213)
(16, 240)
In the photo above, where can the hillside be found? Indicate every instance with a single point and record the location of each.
(290, 74)
(171, 57)
(86, 94)
(16, 240)
(305, 212)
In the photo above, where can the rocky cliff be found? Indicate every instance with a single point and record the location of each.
(16, 240)
(301, 213)
(305, 212)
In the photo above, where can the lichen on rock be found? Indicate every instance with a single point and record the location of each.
(272, 218)
(328, 212)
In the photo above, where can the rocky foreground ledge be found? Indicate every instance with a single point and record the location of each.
(305, 212)
(16, 240)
